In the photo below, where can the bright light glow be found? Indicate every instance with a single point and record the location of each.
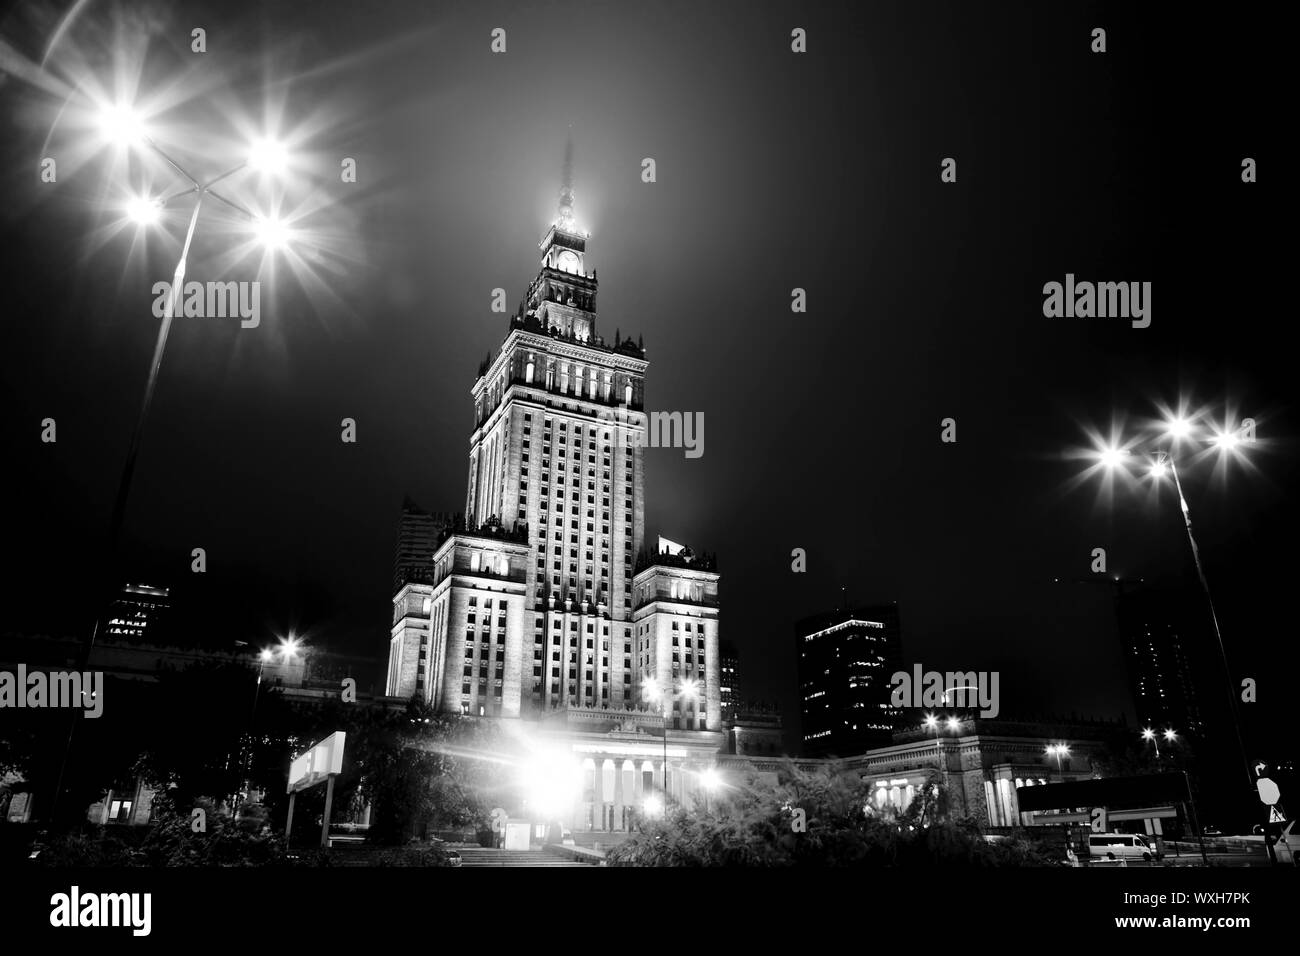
(1159, 470)
(145, 212)
(1178, 427)
(931, 721)
(711, 779)
(954, 723)
(650, 689)
(271, 233)
(1148, 734)
(1112, 458)
(121, 125)
(266, 654)
(1170, 735)
(289, 647)
(268, 156)
(690, 688)
(1226, 441)
(653, 805)
(551, 784)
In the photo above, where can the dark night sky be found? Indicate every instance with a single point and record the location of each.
(774, 171)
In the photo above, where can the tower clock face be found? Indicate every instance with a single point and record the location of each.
(568, 262)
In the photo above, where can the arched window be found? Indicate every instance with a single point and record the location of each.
(627, 394)
(528, 371)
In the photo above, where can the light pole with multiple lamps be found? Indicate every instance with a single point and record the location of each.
(1149, 734)
(1058, 751)
(119, 125)
(932, 723)
(665, 696)
(1162, 463)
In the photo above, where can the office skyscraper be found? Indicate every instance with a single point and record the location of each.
(846, 658)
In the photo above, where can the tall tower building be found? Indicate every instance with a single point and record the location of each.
(846, 658)
(538, 601)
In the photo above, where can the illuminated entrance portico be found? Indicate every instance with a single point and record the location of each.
(611, 769)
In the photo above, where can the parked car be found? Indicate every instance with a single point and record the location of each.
(1120, 846)
(453, 858)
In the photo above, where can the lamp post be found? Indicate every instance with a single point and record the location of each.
(288, 651)
(932, 722)
(1163, 463)
(1058, 751)
(664, 694)
(120, 125)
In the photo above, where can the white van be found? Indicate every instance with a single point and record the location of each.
(1116, 846)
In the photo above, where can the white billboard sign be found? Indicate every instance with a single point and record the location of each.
(315, 765)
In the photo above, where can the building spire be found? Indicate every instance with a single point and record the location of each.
(565, 220)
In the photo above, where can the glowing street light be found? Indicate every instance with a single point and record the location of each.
(143, 212)
(1149, 734)
(1112, 458)
(1178, 427)
(268, 156)
(1226, 441)
(271, 232)
(121, 125)
(1058, 751)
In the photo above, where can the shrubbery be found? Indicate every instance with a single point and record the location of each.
(754, 826)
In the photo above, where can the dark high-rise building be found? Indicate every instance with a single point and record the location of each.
(1158, 638)
(418, 536)
(846, 658)
(729, 681)
(136, 614)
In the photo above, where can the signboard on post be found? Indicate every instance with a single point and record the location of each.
(314, 765)
(321, 763)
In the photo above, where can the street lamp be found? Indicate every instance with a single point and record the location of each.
(1180, 429)
(653, 690)
(1149, 734)
(1058, 751)
(120, 125)
(932, 723)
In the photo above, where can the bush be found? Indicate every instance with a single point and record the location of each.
(414, 856)
(755, 827)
